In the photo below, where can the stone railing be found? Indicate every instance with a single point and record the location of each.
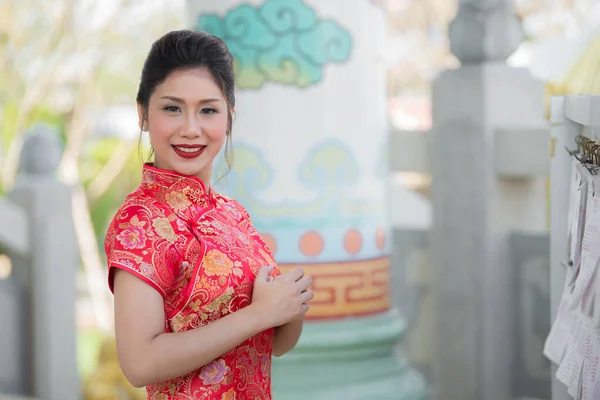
(525, 260)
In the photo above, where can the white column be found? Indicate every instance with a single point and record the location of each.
(310, 165)
(310, 139)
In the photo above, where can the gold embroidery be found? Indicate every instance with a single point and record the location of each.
(195, 305)
(203, 283)
(179, 322)
(164, 229)
(223, 299)
(178, 201)
(194, 195)
(229, 395)
(217, 263)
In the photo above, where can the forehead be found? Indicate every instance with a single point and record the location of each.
(194, 83)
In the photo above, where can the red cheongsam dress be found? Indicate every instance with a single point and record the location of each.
(200, 251)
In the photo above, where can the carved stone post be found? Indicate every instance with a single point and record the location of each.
(476, 107)
(53, 262)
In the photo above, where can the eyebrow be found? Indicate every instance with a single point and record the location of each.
(178, 100)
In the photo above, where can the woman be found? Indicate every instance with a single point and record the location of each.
(199, 306)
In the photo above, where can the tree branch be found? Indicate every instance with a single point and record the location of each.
(95, 275)
(113, 168)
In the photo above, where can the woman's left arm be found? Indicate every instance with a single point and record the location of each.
(286, 336)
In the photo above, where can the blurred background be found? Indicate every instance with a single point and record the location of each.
(423, 124)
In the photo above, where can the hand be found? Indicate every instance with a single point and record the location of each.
(281, 299)
(299, 317)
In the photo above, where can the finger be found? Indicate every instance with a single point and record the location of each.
(307, 296)
(263, 273)
(304, 283)
(295, 274)
(305, 308)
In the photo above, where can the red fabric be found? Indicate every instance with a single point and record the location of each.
(201, 252)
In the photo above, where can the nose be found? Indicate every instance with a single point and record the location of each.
(192, 127)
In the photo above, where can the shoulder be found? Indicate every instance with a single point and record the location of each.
(233, 206)
(141, 239)
(142, 202)
(138, 219)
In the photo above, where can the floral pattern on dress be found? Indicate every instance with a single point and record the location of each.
(200, 251)
(132, 236)
(214, 372)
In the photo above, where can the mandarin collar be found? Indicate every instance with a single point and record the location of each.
(179, 190)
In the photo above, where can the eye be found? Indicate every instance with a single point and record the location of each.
(208, 111)
(171, 108)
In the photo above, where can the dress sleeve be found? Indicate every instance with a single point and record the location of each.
(141, 240)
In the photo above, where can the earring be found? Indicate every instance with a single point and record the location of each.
(144, 128)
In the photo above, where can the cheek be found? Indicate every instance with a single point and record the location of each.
(217, 129)
(161, 127)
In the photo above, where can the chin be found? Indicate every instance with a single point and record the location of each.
(190, 169)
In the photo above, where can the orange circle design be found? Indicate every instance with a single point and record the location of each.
(269, 241)
(353, 241)
(380, 238)
(311, 244)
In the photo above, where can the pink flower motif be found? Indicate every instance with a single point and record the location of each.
(178, 200)
(240, 236)
(244, 360)
(234, 211)
(214, 372)
(227, 237)
(132, 237)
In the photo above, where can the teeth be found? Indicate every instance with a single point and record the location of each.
(189, 150)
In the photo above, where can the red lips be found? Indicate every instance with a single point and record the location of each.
(188, 151)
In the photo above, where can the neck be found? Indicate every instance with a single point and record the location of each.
(204, 175)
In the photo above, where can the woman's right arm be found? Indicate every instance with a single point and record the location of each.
(147, 355)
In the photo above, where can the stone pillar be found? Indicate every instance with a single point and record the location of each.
(53, 261)
(484, 113)
(310, 166)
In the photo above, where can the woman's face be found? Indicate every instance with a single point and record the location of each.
(187, 122)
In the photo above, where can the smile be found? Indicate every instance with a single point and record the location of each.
(187, 151)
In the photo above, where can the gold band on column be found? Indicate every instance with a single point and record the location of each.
(345, 289)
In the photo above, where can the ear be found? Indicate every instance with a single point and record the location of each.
(142, 122)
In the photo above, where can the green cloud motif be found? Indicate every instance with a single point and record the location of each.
(281, 41)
